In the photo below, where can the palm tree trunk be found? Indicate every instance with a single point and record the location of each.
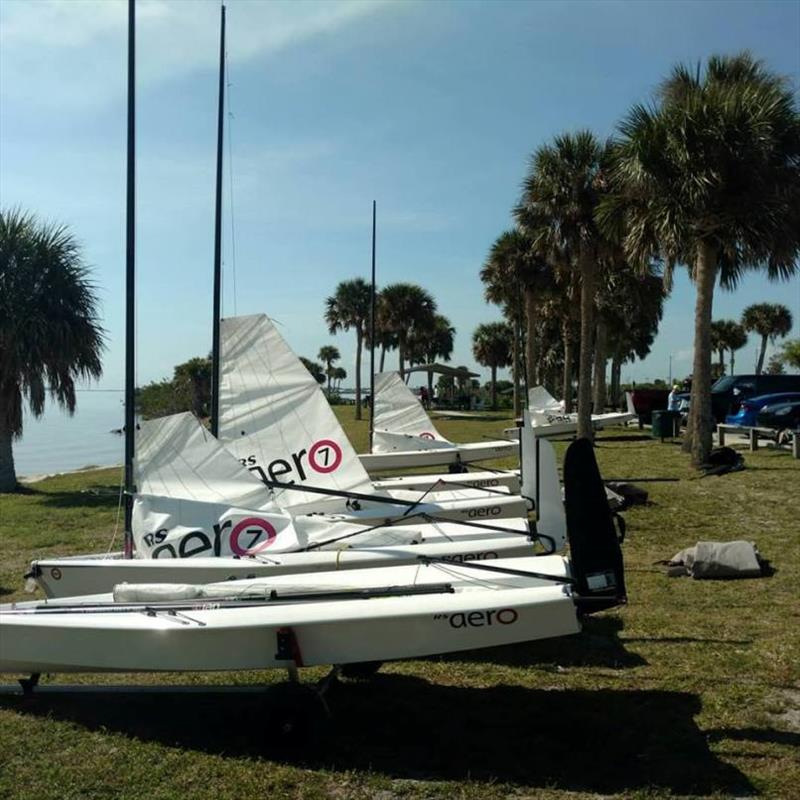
(568, 356)
(587, 346)
(616, 369)
(761, 354)
(430, 383)
(699, 429)
(733, 361)
(401, 359)
(600, 367)
(494, 387)
(530, 340)
(359, 342)
(8, 475)
(516, 368)
(383, 355)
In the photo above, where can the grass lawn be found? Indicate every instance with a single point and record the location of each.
(693, 689)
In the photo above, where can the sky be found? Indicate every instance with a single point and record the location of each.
(431, 109)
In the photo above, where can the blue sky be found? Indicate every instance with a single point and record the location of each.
(430, 108)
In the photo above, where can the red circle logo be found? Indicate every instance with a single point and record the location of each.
(325, 456)
(259, 534)
(426, 435)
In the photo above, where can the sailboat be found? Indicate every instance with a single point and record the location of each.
(548, 418)
(405, 436)
(341, 617)
(193, 513)
(276, 420)
(429, 607)
(199, 515)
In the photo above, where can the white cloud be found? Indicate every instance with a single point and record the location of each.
(71, 53)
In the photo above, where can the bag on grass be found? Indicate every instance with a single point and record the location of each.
(738, 559)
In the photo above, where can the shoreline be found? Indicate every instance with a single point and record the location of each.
(36, 477)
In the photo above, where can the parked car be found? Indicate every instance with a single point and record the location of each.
(747, 414)
(781, 416)
(643, 402)
(729, 391)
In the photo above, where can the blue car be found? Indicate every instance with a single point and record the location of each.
(747, 415)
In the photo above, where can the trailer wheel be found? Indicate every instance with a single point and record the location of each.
(361, 670)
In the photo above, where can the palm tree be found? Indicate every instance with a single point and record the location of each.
(710, 177)
(491, 346)
(327, 355)
(718, 343)
(501, 276)
(512, 269)
(50, 335)
(405, 310)
(769, 321)
(349, 307)
(633, 317)
(735, 339)
(314, 368)
(790, 353)
(561, 193)
(426, 345)
(629, 305)
(338, 374)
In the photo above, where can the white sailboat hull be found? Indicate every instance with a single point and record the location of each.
(479, 610)
(438, 456)
(483, 479)
(547, 425)
(94, 574)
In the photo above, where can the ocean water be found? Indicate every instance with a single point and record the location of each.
(58, 442)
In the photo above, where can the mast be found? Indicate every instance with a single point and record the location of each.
(130, 282)
(218, 236)
(372, 340)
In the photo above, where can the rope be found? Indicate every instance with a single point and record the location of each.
(119, 509)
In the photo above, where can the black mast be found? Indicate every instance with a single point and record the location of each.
(130, 282)
(372, 340)
(218, 237)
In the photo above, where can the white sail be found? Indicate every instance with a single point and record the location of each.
(399, 415)
(177, 457)
(275, 419)
(169, 527)
(195, 499)
(539, 399)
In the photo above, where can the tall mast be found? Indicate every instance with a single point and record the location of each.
(372, 340)
(218, 237)
(130, 282)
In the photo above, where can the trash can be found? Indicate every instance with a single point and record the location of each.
(666, 424)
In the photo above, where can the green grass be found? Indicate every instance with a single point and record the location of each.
(692, 689)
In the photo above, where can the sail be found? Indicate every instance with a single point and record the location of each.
(177, 457)
(539, 399)
(275, 419)
(173, 527)
(400, 420)
(195, 499)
